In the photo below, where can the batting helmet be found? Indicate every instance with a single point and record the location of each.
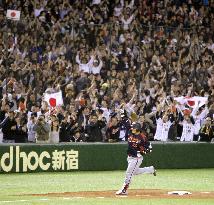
(136, 126)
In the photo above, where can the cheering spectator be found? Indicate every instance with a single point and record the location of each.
(20, 132)
(77, 136)
(42, 130)
(30, 124)
(207, 131)
(83, 117)
(199, 116)
(54, 132)
(164, 122)
(9, 127)
(106, 55)
(93, 129)
(187, 123)
(125, 125)
(65, 129)
(113, 131)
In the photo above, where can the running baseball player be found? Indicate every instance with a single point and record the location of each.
(138, 145)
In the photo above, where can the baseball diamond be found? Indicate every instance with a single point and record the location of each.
(88, 188)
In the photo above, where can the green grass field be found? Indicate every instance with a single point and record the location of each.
(14, 186)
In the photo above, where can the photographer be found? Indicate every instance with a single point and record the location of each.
(42, 130)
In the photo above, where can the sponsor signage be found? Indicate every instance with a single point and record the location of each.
(17, 160)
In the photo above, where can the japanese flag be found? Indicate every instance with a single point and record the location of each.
(54, 99)
(192, 102)
(13, 15)
(199, 101)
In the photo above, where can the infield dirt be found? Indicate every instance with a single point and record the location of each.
(146, 193)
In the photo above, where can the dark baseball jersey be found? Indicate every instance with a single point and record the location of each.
(137, 143)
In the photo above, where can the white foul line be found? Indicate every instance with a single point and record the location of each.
(44, 199)
(67, 198)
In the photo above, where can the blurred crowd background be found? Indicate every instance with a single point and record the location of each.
(115, 63)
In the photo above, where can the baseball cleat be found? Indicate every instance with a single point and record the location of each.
(121, 192)
(155, 172)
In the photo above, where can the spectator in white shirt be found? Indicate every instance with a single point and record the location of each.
(119, 8)
(188, 128)
(38, 9)
(127, 20)
(199, 116)
(96, 66)
(84, 66)
(163, 125)
(96, 2)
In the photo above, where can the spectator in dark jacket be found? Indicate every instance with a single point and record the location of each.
(64, 132)
(77, 136)
(4, 109)
(207, 131)
(113, 131)
(125, 126)
(211, 112)
(9, 127)
(83, 117)
(20, 133)
(93, 129)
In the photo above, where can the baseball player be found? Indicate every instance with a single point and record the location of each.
(138, 145)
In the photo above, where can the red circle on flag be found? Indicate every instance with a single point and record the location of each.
(191, 102)
(13, 14)
(52, 102)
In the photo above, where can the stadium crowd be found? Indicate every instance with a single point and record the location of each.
(114, 62)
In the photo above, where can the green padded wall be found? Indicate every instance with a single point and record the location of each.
(100, 156)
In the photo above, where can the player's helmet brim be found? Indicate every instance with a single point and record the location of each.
(136, 126)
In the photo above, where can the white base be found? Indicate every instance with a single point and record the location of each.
(180, 193)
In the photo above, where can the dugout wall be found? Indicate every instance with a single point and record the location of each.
(100, 156)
